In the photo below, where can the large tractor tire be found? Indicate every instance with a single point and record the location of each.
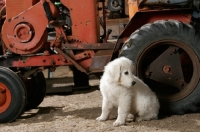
(166, 55)
(12, 95)
(36, 90)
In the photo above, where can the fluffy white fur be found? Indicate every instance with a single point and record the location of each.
(120, 88)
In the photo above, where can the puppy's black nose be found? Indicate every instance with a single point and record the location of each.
(133, 83)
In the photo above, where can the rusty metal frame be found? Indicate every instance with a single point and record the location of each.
(34, 61)
(95, 46)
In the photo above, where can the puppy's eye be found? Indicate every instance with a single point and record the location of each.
(126, 73)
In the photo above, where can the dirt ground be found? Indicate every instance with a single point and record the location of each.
(76, 112)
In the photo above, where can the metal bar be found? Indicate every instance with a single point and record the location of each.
(34, 61)
(78, 46)
(79, 67)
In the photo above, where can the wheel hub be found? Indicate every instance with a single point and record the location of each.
(5, 98)
(170, 68)
(167, 69)
(23, 32)
(2, 96)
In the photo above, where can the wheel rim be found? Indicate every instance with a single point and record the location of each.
(5, 97)
(170, 68)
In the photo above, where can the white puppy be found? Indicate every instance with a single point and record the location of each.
(119, 87)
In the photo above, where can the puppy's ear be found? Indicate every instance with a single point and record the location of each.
(114, 72)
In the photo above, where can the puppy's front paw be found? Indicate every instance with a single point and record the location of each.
(130, 118)
(118, 123)
(100, 119)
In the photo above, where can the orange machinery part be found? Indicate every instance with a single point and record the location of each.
(85, 19)
(24, 30)
(25, 25)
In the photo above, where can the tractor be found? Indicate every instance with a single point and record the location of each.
(162, 39)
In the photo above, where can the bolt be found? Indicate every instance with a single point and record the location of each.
(166, 69)
(11, 46)
(9, 20)
(148, 74)
(174, 51)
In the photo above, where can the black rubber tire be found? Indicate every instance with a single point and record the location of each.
(111, 7)
(36, 89)
(142, 38)
(18, 95)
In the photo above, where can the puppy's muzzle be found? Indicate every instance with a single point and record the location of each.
(133, 83)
